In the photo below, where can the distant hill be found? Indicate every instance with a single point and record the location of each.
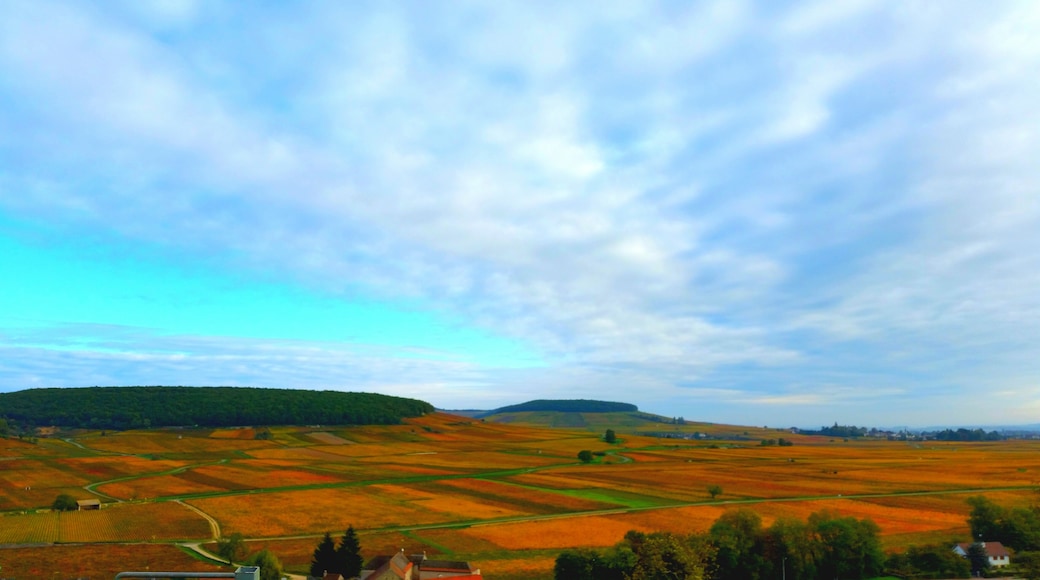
(143, 407)
(628, 421)
(574, 413)
(568, 406)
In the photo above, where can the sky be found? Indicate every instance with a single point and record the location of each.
(772, 213)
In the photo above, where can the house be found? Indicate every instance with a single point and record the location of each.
(396, 567)
(417, 567)
(88, 504)
(996, 552)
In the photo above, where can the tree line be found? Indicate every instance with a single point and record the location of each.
(146, 407)
(966, 435)
(826, 546)
(1017, 528)
(737, 547)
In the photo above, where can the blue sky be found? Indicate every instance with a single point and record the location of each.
(759, 213)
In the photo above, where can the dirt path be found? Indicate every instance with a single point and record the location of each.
(92, 487)
(214, 526)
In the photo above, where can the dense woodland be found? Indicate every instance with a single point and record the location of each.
(144, 407)
(568, 406)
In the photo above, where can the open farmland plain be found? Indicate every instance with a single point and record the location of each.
(508, 497)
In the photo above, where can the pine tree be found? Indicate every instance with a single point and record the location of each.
(324, 559)
(348, 554)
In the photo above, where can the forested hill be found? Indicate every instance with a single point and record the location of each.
(143, 407)
(568, 406)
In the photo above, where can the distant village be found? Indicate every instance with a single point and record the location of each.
(847, 432)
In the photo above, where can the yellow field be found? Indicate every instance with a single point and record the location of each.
(507, 497)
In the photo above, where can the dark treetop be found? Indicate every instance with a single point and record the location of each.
(143, 407)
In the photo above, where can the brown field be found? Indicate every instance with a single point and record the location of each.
(117, 523)
(329, 438)
(154, 487)
(507, 497)
(160, 442)
(245, 433)
(97, 561)
(538, 566)
(527, 496)
(105, 468)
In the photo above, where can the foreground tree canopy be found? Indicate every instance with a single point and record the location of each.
(343, 559)
(1017, 528)
(738, 548)
(144, 407)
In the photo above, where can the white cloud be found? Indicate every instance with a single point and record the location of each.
(675, 193)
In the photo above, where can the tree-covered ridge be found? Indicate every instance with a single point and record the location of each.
(143, 407)
(568, 406)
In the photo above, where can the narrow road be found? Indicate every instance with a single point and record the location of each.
(92, 487)
(214, 526)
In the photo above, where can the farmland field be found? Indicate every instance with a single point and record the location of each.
(119, 523)
(506, 496)
(86, 561)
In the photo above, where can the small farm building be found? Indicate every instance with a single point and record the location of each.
(88, 504)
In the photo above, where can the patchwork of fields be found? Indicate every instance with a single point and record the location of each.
(506, 496)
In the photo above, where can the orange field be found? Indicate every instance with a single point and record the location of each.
(507, 497)
(557, 533)
(313, 511)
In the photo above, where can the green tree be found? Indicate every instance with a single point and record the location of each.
(585, 456)
(270, 566)
(664, 556)
(978, 558)
(938, 561)
(348, 555)
(737, 537)
(610, 436)
(64, 503)
(324, 559)
(575, 565)
(232, 548)
(1028, 564)
(1017, 528)
(788, 549)
(714, 490)
(846, 548)
(4, 428)
(984, 519)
